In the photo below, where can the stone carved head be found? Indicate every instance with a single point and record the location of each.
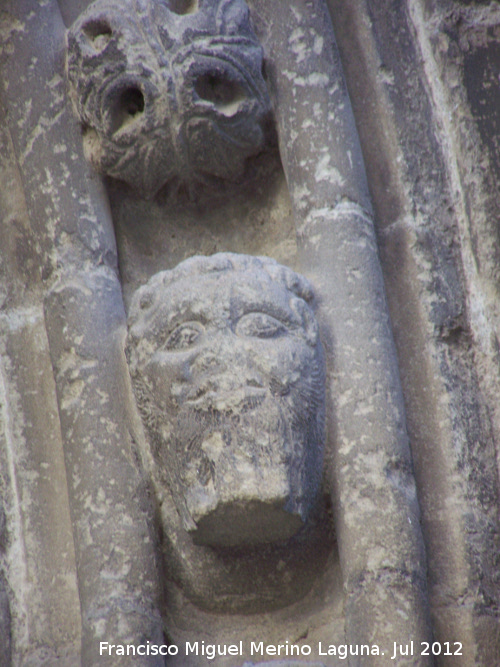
(228, 372)
(168, 89)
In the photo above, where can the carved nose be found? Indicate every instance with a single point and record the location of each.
(224, 370)
(224, 93)
(229, 378)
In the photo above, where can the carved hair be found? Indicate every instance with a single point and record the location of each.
(148, 298)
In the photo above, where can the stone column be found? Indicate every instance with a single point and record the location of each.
(74, 251)
(418, 77)
(377, 515)
(39, 605)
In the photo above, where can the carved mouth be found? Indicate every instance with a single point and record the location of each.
(243, 398)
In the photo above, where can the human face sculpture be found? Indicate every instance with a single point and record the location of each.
(228, 372)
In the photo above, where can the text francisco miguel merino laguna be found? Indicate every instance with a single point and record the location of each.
(211, 651)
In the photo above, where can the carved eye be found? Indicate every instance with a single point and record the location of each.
(224, 93)
(98, 32)
(259, 325)
(184, 336)
(183, 6)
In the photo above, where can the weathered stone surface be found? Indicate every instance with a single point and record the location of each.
(55, 215)
(111, 515)
(228, 372)
(375, 496)
(432, 173)
(168, 90)
(422, 78)
(37, 549)
(39, 605)
(5, 620)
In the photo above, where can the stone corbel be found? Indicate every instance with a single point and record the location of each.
(168, 92)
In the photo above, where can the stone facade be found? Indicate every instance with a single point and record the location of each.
(195, 194)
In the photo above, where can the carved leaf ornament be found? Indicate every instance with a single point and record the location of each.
(168, 89)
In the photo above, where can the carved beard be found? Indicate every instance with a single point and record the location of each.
(263, 451)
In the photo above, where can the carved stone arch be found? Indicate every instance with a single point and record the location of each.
(81, 244)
